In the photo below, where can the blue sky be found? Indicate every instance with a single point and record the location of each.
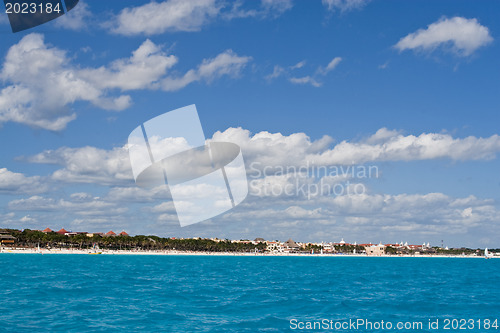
(409, 87)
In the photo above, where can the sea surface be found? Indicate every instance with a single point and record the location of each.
(105, 293)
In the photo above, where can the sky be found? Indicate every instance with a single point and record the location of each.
(394, 102)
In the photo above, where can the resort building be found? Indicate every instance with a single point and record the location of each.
(62, 231)
(375, 250)
(290, 245)
(92, 234)
(259, 240)
(275, 246)
(327, 247)
(242, 241)
(342, 243)
(6, 239)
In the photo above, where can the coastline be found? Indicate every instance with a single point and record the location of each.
(199, 253)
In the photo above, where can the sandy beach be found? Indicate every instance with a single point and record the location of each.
(194, 253)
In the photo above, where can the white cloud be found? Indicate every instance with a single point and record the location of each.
(40, 95)
(227, 63)
(425, 215)
(272, 149)
(27, 219)
(367, 217)
(159, 17)
(306, 216)
(147, 65)
(7, 219)
(398, 147)
(384, 65)
(300, 64)
(462, 35)
(330, 67)
(96, 166)
(94, 206)
(306, 79)
(77, 212)
(136, 194)
(164, 207)
(381, 136)
(332, 64)
(277, 72)
(181, 15)
(76, 19)
(16, 105)
(275, 151)
(277, 6)
(18, 183)
(88, 165)
(344, 5)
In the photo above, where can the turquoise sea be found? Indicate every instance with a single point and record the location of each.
(85, 293)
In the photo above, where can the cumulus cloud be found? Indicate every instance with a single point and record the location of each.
(79, 212)
(274, 151)
(27, 219)
(18, 183)
(278, 215)
(180, 15)
(94, 206)
(423, 209)
(164, 207)
(426, 146)
(344, 5)
(40, 95)
(461, 35)
(142, 70)
(365, 217)
(385, 145)
(159, 17)
(134, 194)
(88, 165)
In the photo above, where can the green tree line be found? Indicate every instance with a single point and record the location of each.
(34, 238)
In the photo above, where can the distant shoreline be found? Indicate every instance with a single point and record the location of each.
(244, 254)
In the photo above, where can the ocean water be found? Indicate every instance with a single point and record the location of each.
(85, 293)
